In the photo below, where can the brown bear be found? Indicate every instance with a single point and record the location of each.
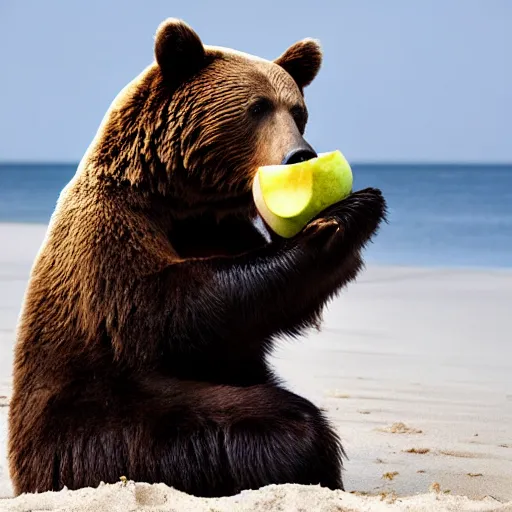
(155, 299)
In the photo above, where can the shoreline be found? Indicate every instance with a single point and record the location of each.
(403, 349)
(370, 263)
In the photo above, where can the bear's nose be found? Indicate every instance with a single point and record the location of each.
(299, 155)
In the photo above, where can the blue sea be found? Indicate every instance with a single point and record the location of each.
(439, 215)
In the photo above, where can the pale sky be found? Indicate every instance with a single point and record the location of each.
(402, 80)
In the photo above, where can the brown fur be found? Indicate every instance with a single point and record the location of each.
(153, 301)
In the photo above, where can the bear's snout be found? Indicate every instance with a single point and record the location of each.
(300, 154)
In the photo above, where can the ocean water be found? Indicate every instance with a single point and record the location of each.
(439, 215)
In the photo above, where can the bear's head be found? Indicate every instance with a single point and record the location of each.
(197, 123)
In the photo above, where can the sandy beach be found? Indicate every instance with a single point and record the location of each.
(414, 366)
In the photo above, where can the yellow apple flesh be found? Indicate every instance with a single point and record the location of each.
(288, 196)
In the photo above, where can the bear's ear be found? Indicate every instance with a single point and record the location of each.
(178, 51)
(302, 61)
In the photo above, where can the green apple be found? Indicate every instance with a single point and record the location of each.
(288, 196)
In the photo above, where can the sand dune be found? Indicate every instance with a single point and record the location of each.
(158, 497)
(413, 365)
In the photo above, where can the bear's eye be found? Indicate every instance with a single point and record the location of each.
(300, 116)
(260, 107)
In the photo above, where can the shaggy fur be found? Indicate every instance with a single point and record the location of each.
(154, 301)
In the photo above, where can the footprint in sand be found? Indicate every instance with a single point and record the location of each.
(420, 451)
(400, 428)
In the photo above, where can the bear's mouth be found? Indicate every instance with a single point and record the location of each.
(359, 215)
(261, 227)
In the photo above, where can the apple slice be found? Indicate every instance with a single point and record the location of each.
(288, 196)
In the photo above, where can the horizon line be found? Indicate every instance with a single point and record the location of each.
(475, 163)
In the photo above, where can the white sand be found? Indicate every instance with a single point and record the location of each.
(158, 497)
(429, 348)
